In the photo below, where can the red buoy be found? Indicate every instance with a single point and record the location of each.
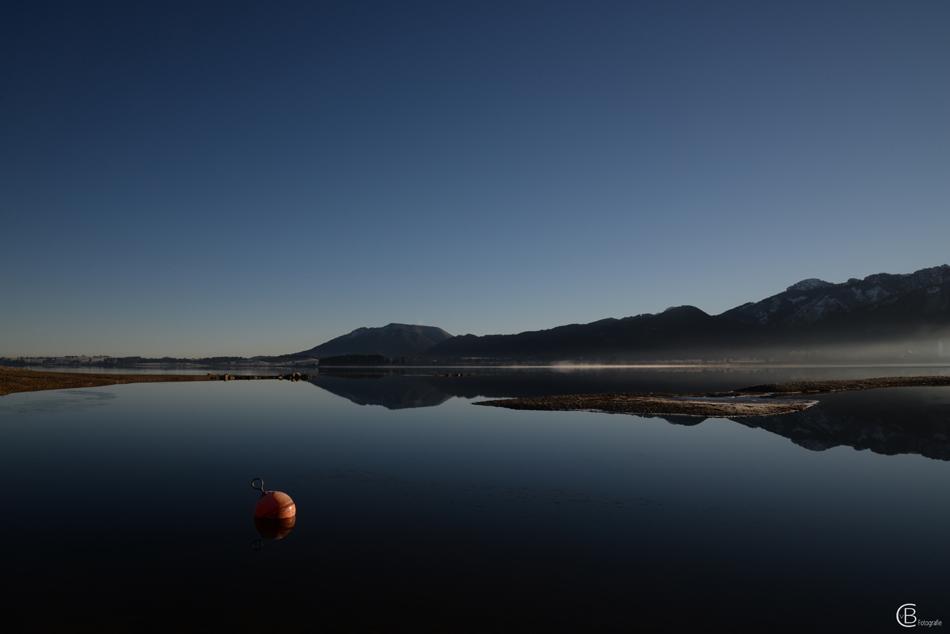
(273, 505)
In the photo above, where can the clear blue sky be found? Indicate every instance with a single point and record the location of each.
(255, 178)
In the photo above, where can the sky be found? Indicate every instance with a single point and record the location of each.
(195, 179)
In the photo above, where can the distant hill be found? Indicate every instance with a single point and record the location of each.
(881, 317)
(393, 341)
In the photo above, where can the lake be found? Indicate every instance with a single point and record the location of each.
(129, 507)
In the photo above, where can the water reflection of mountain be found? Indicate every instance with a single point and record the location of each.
(891, 421)
(400, 389)
(888, 421)
(392, 391)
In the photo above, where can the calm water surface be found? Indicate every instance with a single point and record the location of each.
(128, 507)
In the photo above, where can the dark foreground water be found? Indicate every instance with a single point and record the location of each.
(128, 508)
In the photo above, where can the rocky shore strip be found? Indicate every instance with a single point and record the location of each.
(656, 405)
(758, 400)
(20, 380)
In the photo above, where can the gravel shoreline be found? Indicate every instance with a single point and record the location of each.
(656, 405)
(13, 380)
(757, 400)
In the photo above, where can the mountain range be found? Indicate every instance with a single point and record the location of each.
(881, 317)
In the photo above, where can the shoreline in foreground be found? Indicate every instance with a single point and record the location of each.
(15, 380)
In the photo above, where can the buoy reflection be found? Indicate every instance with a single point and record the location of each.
(275, 529)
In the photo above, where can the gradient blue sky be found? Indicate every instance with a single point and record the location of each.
(255, 178)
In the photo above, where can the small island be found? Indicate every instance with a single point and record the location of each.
(758, 400)
(657, 405)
